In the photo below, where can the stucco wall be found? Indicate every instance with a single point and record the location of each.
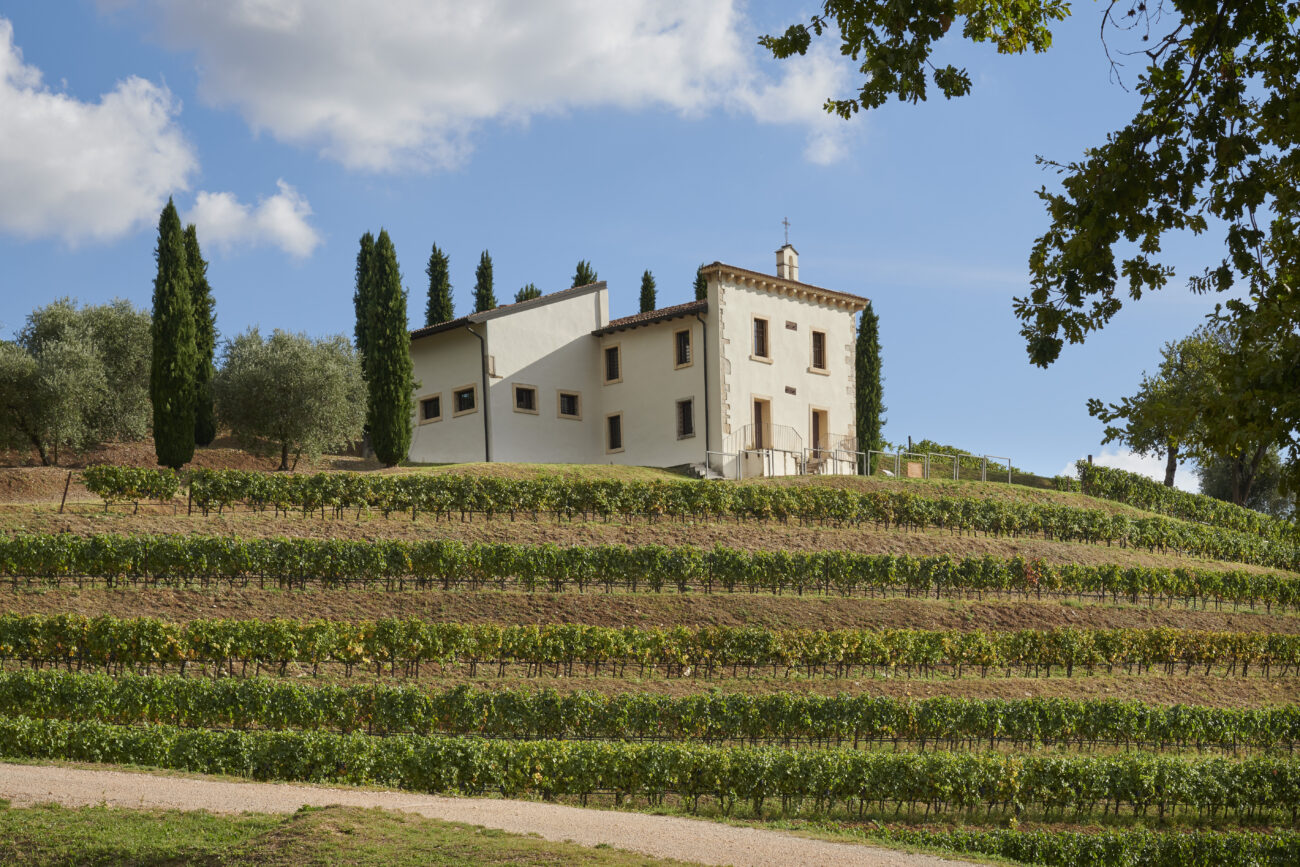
(648, 394)
(551, 348)
(444, 362)
(744, 378)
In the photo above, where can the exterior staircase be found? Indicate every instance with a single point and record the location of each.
(703, 471)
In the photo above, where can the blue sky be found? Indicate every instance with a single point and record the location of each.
(636, 135)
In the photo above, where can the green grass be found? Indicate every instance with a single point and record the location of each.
(52, 835)
(500, 470)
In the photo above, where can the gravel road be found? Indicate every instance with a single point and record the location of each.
(658, 836)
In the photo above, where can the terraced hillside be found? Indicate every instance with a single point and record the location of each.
(1041, 674)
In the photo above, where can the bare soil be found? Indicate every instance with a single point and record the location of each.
(224, 453)
(623, 609)
(1154, 687)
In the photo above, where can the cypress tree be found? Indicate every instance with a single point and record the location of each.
(440, 307)
(387, 362)
(701, 285)
(175, 353)
(647, 292)
(205, 339)
(484, 297)
(361, 295)
(584, 274)
(529, 291)
(868, 391)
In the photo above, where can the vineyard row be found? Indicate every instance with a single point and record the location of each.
(445, 495)
(842, 720)
(1109, 848)
(183, 561)
(217, 646)
(1149, 495)
(1251, 789)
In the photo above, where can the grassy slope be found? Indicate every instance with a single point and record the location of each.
(48, 835)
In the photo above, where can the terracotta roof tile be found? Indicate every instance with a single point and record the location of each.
(651, 316)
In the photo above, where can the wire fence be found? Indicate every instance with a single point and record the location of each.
(936, 465)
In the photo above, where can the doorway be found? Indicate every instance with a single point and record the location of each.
(819, 430)
(762, 423)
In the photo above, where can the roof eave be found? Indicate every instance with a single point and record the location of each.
(507, 309)
(691, 308)
(856, 303)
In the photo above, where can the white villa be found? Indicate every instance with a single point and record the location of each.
(756, 379)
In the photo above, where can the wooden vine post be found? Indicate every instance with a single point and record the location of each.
(67, 484)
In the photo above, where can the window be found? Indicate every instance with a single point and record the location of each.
(464, 399)
(819, 350)
(760, 339)
(681, 348)
(525, 399)
(570, 404)
(614, 432)
(431, 408)
(613, 365)
(685, 418)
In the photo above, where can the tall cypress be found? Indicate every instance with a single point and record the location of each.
(175, 352)
(584, 274)
(484, 297)
(440, 307)
(647, 292)
(205, 339)
(701, 285)
(527, 293)
(361, 294)
(387, 362)
(868, 391)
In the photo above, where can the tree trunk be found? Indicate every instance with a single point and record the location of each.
(1243, 476)
(40, 449)
(284, 456)
(1171, 465)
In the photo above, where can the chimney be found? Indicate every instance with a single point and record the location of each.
(787, 263)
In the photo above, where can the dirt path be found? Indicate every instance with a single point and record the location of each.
(658, 836)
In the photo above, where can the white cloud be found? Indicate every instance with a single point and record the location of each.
(406, 83)
(82, 170)
(280, 221)
(1151, 467)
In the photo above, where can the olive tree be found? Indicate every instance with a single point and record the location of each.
(46, 399)
(290, 391)
(76, 377)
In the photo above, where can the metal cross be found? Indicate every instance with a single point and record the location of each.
(785, 222)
